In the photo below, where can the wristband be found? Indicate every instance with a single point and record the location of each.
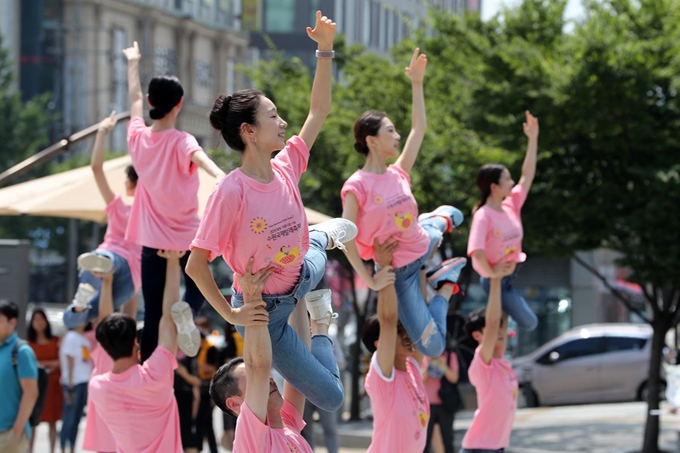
(325, 54)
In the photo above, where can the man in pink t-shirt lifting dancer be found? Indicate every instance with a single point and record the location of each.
(244, 388)
(491, 374)
(400, 405)
(137, 402)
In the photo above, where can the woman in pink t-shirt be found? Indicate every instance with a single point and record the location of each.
(115, 255)
(378, 199)
(165, 211)
(255, 216)
(496, 232)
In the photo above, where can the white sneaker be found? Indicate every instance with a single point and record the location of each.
(83, 295)
(95, 262)
(319, 306)
(338, 230)
(188, 336)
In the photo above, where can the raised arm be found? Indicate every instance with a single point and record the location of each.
(416, 72)
(320, 105)
(167, 330)
(134, 84)
(492, 320)
(377, 282)
(97, 160)
(388, 312)
(105, 295)
(299, 321)
(257, 347)
(531, 130)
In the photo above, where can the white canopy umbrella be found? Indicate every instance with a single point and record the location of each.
(74, 194)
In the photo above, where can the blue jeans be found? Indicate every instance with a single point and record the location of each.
(513, 303)
(71, 415)
(122, 287)
(313, 372)
(425, 324)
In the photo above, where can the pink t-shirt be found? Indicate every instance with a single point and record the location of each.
(499, 234)
(433, 384)
(118, 214)
(165, 211)
(139, 405)
(245, 218)
(387, 207)
(496, 386)
(400, 408)
(98, 437)
(253, 436)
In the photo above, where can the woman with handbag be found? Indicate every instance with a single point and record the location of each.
(440, 376)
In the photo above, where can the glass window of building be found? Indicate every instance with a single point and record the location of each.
(280, 16)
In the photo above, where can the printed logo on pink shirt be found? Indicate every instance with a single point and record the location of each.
(404, 220)
(258, 225)
(287, 256)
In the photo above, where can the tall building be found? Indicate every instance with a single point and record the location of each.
(376, 24)
(72, 49)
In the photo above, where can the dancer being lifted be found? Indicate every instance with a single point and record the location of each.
(496, 232)
(115, 256)
(256, 213)
(165, 212)
(378, 199)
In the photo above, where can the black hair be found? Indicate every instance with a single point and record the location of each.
(117, 334)
(224, 385)
(371, 332)
(230, 111)
(9, 309)
(165, 92)
(476, 321)
(488, 174)
(132, 174)
(31, 333)
(367, 124)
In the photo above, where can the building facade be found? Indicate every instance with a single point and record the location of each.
(375, 24)
(72, 49)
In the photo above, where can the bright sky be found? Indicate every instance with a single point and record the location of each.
(491, 7)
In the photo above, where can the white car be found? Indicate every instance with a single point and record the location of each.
(595, 363)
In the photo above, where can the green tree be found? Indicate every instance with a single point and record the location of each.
(606, 96)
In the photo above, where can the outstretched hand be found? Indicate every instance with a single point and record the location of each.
(132, 53)
(416, 69)
(531, 128)
(323, 32)
(107, 123)
(385, 251)
(252, 285)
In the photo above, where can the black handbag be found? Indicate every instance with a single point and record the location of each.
(448, 392)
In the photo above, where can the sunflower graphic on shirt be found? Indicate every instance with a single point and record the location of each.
(258, 225)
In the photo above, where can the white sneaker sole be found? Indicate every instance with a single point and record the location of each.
(188, 336)
(95, 263)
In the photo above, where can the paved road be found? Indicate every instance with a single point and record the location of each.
(604, 428)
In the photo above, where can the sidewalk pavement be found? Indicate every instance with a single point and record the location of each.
(601, 428)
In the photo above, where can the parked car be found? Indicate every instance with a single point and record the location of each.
(588, 364)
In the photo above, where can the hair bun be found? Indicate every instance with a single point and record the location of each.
(156, 113)
(358, 147)
(220, 111)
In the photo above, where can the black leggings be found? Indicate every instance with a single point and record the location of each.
(443, 418)
(153, 285)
